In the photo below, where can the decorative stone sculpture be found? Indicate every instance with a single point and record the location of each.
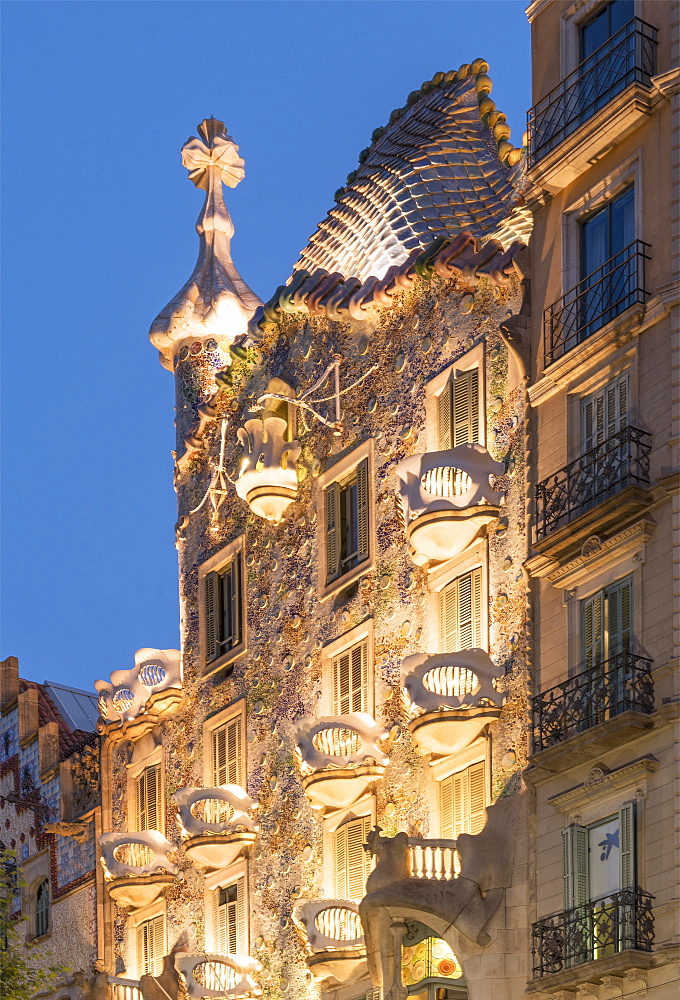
(215, 302)
(216, 844)
(151, 689)
(340, 757)
(136, 884)
(237, 968)
(446, 497)
(333, 938)
(268, 477)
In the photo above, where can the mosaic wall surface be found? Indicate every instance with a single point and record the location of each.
(287, 625)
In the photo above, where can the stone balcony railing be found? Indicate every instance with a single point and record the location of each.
(452, 698)
(123, 989)
(433, 859)
(137, 867)
(215, 823)
(334, 940)
(267, 480)
(446, 497)
(223, 977)
(340, 757)
(134, 701)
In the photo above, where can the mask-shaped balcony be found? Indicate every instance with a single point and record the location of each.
(453, 696)
(223, 977)
(446, 498)
(334, 940)
(134, 701)
(340, 757)
(136, 866)
(268, 477)
(215, 825)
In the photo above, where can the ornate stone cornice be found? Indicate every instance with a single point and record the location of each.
(600, 777)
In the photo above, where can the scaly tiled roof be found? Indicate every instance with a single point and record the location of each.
(442, 165)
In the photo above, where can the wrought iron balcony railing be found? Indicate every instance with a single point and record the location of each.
(598, 929)
(620, 684)
(629, 56)
(594, 301)
(620, 461)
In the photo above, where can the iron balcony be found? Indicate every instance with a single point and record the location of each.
(623, 683)
(629, 56)
(607, 469)
(595, 300)
(598, 929)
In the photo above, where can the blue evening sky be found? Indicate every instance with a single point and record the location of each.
(98, 98)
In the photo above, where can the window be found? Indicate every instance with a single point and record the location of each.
(460, 613)
(600, 28)
(462, 800)
(223, 609)
(350, 860)
(458, 410)
(607, 623)
(148, 792)
(150, 946)
(42, 909)
(229, 919)
(346, 511)
(227, 754)
(604, 413)
(608, 262)
(350, 680)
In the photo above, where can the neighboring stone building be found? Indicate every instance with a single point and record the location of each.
(49, 806)
(603, 349)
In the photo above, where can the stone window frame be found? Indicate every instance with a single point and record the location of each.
(235, 710)
(219, 879)
(478, 751)
(36, 871)
(158, 908)
(364, 807)
(474, 358)
(474, 557)
(339, 470)
(144, 755)
(361, 632)
(595, 377)
(220, 561)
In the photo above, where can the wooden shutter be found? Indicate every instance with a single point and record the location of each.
(350, 680)
(619, 606)
(444, 413)
(229, 919)
(462, 800)
(158, 947)
(605, 412)
(362, 510)
(332, 504)
(592, 630)
(446, 807)
(235, 599)
(148, 798)
(142, 950)
(466, 408)
(477, 796)
(460, 612)
(627, 874)
(575, 866)
(227, 754)
(211, 594)
(350, 860)
(150, 946)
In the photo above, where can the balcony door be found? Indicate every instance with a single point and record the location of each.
(608, 263)
(606, 637)
(605, 458)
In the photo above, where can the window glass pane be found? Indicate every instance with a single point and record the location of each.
(595, 241)
(604, 848)
(622, 229)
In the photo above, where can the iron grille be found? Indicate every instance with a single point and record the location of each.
(597, 929)
(629, 56)
(620, 461)
(619, 684)
(595, 300)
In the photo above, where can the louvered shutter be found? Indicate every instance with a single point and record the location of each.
(362, 510)
(227, 754)
(331, 499)
(444, 412)
(466, 408)
(211, 584)
(627, 875)
(575, 866)
(219, 924)
(477, 797)
(462, 801)
(148, 798)
(448, 617)
(235, 599)
(604, 413)
(341, 683)
(446, 808)
(592, 630)
(340, 863)
(350, 859)
(157, 933)
(619, 615)
(461, 613)
(240, 943)
(142, 951)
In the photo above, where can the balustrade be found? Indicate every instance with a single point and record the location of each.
(123, 989)
(433, 859)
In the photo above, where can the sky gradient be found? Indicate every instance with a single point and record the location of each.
(98, 234)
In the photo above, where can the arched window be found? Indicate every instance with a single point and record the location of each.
(430, 970)
(42, 909)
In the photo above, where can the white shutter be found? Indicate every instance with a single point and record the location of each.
(460, 613)
(477, 796)
(149, 798)
(462, 799)
(350, 860)
(350, 680)
(229, 919)
(151, 946)
(466, 408)
(228, 754)
(444, 413)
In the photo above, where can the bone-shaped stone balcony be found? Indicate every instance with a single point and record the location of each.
(267, 480)
(134, 701)
(452, 698)
(333, 939)
(340, 757)
(223, 977)
(216, 824)
(136, 866)
(446, 497)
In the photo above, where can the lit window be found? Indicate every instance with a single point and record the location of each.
(42, 909)
(350, 680)
(346, 522)
(223, 610)
(462, 798)
(350, 860)
(150, 946)
(607, 624)
(229, 919)
(458, 411)
(460, 613)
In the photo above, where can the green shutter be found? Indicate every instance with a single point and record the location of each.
(444, 412)
(212, 649)
(575, 866)
(362, 510)
(331, 499)
(627, 876)
(466, 408)
(592, 630)
(619, 598)
(604, 413)
(236, 607)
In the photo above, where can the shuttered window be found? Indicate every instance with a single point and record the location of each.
(600, 859)
(149, 798)
(607, 623)
(350, 680)
(462, 798)
(346, 516)
(150, 946)
(458, 410)
(227, 768)
(223, 610)
(350, 860)
(229, 919)
(460, 613)
(604, 413)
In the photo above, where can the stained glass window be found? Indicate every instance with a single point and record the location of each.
(429, 959)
